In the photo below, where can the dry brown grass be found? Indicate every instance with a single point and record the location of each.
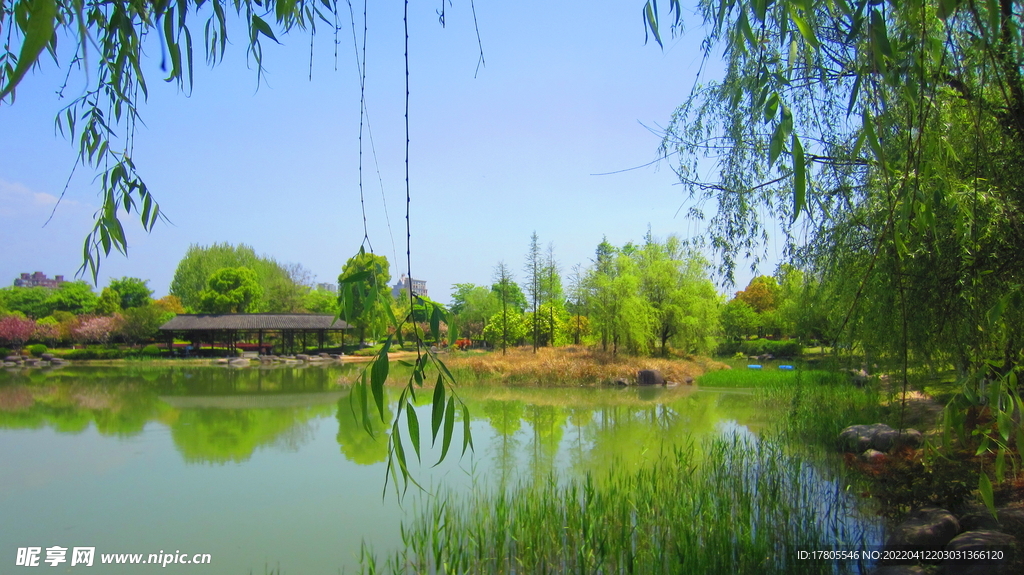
(571, 365)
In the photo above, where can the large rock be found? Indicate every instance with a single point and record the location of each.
(1007, 520)
(878, 436)
(927, 527)
(992, 541)
(650, 377)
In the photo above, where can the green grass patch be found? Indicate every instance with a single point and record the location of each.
(769, 377)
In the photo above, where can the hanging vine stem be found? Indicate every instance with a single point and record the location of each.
(373, 378)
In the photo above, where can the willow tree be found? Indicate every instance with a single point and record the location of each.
(890, 135)
(108, 38)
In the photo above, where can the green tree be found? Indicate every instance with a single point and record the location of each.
(134, 291)
(739, 320)
(31, 301)
(321, 301)
(367, 276)
(140, 323)
(76, 297)
(510, 293)
(109, 302)
(472, 306)
(231, 290)
(506, 328)
(279, 291)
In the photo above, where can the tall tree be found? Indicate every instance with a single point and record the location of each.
(578, 292)
(534, 272)
(551, 287)
(504, 284)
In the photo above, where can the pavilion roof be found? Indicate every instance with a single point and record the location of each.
(254, 321)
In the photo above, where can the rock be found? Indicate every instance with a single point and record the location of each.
(898, 570)
(874, 456)
(222, 360)
(859, 438)
(930, 527)
(620, 381)
(1008, 519)
(13, 358)
(650, 377)
(981, 541)
(47, 356)
(302, 357)
(688, 380)
(859, 377)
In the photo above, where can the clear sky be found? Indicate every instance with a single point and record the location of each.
(566, 93)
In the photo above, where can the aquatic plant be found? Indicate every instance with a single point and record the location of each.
(738, 505)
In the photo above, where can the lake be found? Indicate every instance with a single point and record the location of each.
(268, 469)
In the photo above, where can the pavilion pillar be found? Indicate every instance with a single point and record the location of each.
(261, 341)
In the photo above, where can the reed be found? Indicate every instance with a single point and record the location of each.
(739, 505)
(568, 366)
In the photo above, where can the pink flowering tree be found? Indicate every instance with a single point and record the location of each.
(96, 329)
(48, 331)
(15, 331)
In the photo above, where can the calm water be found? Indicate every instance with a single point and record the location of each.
(268, 469)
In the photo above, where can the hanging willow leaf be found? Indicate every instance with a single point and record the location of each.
(38, 29)
(437, 409)
(449, 426)
(985, 489)
(378, 375)
(799, 177)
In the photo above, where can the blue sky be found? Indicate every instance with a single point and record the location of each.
(565, 94)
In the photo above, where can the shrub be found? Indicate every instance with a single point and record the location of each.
(368, 351)
(787, 348)
(95, 352)
(37, 349)
(4, 352)
(151, 351)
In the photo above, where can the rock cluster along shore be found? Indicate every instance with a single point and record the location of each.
(874, 441)
(650, 377)
(936, 529)
(46, 359)
(299, 358)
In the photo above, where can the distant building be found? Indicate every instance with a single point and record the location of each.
(419, 287)
(327, 286)
(38, 279)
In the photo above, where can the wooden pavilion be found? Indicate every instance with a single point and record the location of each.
(228, 329)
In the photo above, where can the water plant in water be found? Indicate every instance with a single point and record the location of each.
(735, 505)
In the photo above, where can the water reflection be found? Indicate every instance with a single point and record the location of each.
(220, 416)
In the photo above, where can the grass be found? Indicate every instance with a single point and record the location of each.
(567, 366)
(738, 506)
